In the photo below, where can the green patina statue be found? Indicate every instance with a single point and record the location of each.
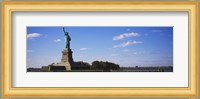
(67, 39)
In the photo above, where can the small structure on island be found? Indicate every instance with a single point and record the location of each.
(66, 60)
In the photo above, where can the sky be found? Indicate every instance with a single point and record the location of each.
(126, 46)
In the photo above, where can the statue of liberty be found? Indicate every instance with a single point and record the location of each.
(67, 39)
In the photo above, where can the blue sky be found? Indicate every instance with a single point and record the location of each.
(126, 46)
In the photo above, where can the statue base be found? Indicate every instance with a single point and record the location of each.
(66, 61)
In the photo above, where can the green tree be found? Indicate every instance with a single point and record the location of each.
(105, 66)
(80, 65)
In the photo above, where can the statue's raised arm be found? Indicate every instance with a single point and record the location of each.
(63, 29)
(67, 39)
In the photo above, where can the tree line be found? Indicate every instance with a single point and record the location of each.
(96, 65)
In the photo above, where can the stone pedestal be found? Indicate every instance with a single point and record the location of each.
(67, 56)
(66, 60)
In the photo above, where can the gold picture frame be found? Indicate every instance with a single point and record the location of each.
(9, 91)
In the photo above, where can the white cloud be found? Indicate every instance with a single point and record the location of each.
(29, 51)
(128, 43)
(125, 35)
(57, 40)
(33, 35)
(135, 53)
(83, 49)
